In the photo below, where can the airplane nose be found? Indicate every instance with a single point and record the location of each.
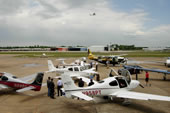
(134, 84)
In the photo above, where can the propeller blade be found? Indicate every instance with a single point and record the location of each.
(141, 85)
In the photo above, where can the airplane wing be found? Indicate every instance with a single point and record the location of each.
(28, 78)
(2, 86)
(81, 95)
(157, 70)
(25, 89)
(139, 96)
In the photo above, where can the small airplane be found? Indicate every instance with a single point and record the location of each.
(75, 69)
(78, 62)
(7, 80)
(139, 68)
(112, 87)
(43, 55)
(113, 59)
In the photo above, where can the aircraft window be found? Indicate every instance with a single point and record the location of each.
(14, 77)
(70, 69)
(4, 78)
(76, 69)
(102, 81)
(113, 83)
(122, 82)
(81, 69)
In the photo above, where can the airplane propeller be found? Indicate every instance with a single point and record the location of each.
(141, 85)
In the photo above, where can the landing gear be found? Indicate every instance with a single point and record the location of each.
(126, 102)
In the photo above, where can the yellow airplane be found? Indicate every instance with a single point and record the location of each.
(103, 59)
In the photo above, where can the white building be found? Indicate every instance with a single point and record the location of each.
(97, 48)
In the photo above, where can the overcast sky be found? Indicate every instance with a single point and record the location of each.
(71, 22)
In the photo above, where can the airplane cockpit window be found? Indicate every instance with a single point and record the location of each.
(113, 83)
(127, 75)
(102, 81)
(122, 82)
(14, 77)
(4, 78)
(81, 68)
(76, 69)
(70, 69)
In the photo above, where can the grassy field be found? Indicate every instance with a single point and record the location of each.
(84, 54)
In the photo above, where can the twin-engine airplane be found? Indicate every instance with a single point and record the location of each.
(112, 87)
(112, 59)
(82, 69)
(7, 80)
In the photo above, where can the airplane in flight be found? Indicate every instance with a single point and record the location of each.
(8, 80)
(112, 87)
(82, 69)
(113, 59)
(133, 68)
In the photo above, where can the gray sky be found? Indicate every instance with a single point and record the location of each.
(69, 22)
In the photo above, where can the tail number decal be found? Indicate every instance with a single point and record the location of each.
(92, 92)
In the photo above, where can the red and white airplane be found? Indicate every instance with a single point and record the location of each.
(7, 80)
(113, 87)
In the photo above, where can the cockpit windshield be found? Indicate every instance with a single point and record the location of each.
(122, 82)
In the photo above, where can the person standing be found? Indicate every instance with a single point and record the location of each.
(81, 83)
(48, 85)
(59, 86)
(147, 78)
(91, 82)
(97, 77)
(96, 66)
(107, 64)
(52, 89)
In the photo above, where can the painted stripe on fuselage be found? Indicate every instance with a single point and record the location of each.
(18, 85)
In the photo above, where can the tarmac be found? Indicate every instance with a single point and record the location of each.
(39, 102)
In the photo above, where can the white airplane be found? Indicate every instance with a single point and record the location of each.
(82, 69)
(113, 87)
(79, 62)
(7, 80)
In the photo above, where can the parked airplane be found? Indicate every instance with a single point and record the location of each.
(7, 80)
(113, 87)
(82, 69)
(113, 59)
(78, 62)
(139, 68)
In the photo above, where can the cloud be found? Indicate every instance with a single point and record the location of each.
(68, 22)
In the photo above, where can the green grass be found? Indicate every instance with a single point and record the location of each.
(84, 54)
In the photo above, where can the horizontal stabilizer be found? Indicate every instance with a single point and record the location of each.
(25, 89)
(3, 86)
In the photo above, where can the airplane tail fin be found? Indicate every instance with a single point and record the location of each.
(38, 79)
(89, 52)
(68, 82)
(50, 66)
(90, 55)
